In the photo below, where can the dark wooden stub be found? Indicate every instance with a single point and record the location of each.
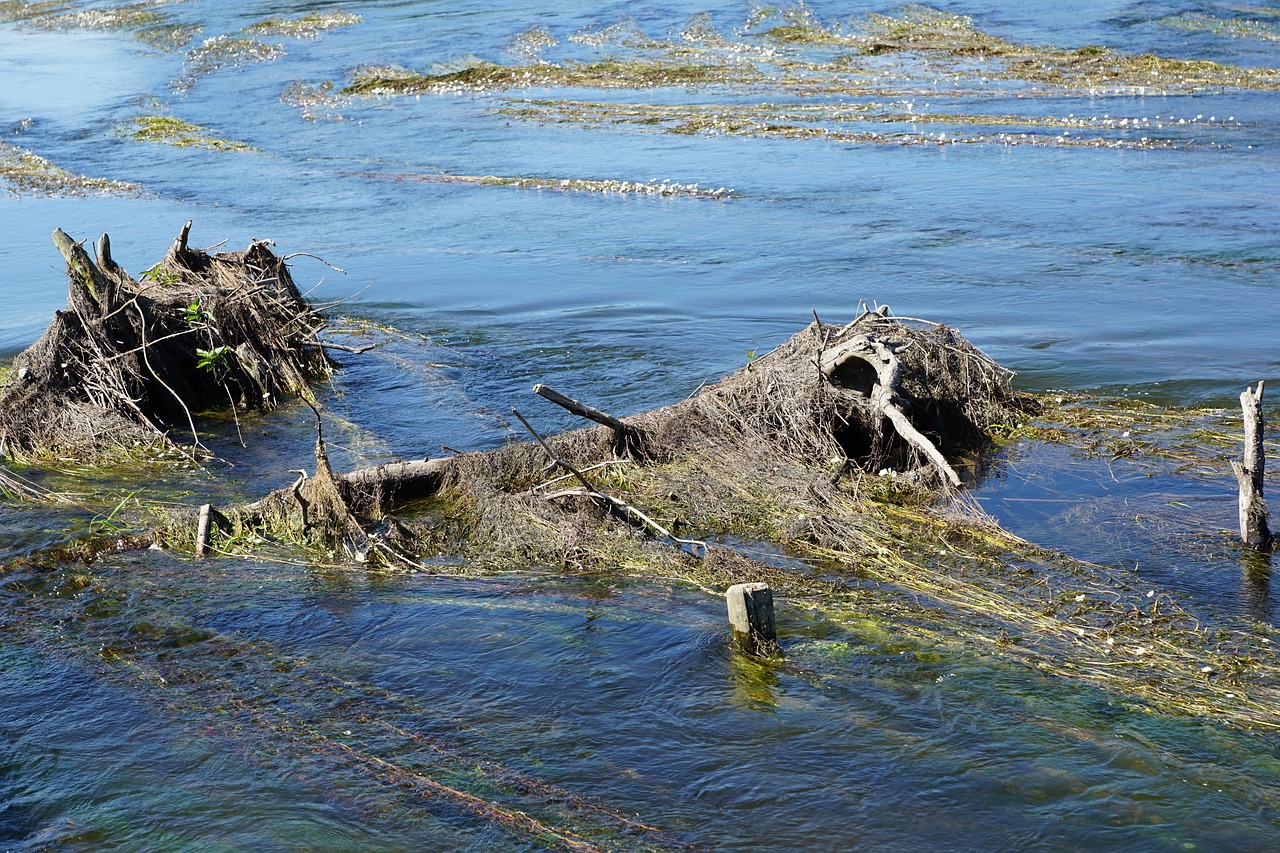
(751, 617)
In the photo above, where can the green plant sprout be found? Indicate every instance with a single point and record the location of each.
(211, 359)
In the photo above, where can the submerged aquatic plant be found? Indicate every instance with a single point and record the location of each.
(149, 26)
(529, 44)
(487, 77)
(224, 51)
(828, 121)
(181, 134)
(28, 173)
(14, 11)
(307, 26)
(1233, 27)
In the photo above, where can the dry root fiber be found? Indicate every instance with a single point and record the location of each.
(130, 361)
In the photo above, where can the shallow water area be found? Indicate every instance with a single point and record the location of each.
(161, 703)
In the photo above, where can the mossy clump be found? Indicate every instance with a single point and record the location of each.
(530, 44)
(795, 25)
(132, 16)
(168, 36)
(1093, 68)
(181, 134)
(314, 101)
(28, 173)
(920, 27)
(830, 121)
(307, 26)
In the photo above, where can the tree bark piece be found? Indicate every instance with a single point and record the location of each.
(885, 393)
(1249, 475)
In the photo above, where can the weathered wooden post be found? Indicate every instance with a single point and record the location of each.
(751, 617)
(1253, 507)
(202, 530)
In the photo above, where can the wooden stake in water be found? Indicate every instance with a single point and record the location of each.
(751, 617)
(202, 530)
(1253, 508)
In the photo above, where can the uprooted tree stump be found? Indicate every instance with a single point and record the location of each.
(131, 361)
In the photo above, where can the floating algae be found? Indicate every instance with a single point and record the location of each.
(28, 173)
(12, 12)
(529, 44)
(181, 134)
(1233, 27)
(800, 120)
(785, 83)
(487, 77)
(224, 51)
(146, 24)
(656, 188)
(307, 26)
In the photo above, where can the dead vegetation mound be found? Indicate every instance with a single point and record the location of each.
(879, 394)
(130, 361)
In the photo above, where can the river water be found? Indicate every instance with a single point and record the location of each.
(150, 704)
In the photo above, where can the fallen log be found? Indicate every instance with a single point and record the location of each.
(781, 424)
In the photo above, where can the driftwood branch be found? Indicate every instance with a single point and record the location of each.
(628, 440)
(580, 409)
(1249, 475)
(885, 393)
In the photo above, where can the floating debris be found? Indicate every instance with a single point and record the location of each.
(652, 187)
(182, 134)
(30, 174)
(221, 52)
(308, 26)
(529, 44)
